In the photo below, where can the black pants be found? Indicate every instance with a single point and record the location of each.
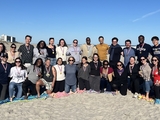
(59, 86)
(83, 84)
(121, 87)
(29, 85)
(105, 84)
(3, 90)
(157, 92)
(135, 86)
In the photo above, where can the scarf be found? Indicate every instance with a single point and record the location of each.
(111, 50)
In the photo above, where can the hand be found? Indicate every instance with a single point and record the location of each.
(52, 85)
(39, 74)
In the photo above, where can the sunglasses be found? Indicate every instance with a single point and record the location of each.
(18, 61)
(154, 60)
(105, 64)
(119, 65)
(71, 60)
(142, 59)
(75, 42)
(13, 47)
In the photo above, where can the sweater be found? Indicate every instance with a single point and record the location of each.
(102, 50)
(42, 54)
(61, 52)
(83, 72)
(146, 72)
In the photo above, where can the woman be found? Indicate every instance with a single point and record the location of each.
(156, 78)
(40, 51)
(34, 74)
(145, 73)
(51, 50)
(60, 81)
(2, 49)
(133, 75)
(4, 73)
(70, 70)
(83, 74)
(106, 73)
(12, 54)
(61, 50)
(18, 74)
(94, 78)
(119, 82)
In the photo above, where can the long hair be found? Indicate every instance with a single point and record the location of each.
(41, 66)
(4, 48)
(38, 45)
(94, 55)
(158, 65)
(59, 44)
(105, 61)
(21, 64)
(121, 64)
(84, 57)
(59, 59)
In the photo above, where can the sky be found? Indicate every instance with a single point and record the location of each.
(78, 19)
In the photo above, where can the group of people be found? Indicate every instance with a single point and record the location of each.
(61, 68)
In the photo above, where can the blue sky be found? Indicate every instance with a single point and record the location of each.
(78, 19)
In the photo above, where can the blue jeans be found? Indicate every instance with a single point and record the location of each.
(147, 85)
(105, 84)
(53, 61)
(68, 87)
(15, 87)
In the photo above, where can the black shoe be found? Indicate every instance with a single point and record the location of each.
(25, 97)
(102, 91)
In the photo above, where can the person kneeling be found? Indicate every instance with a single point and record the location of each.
(48, 79)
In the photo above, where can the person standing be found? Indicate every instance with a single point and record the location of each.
(94, 78)
(2, 48)
(128, 52)
(115, 52)
(155, 47)
(18, 75)
(61, 50)
(4, 75)
(102, 49)
(40, 51)
(26, 51)
(48, 79)
(71, 80)
(75, 51)
(12, 54)
(51, 50)
(88, 49)
(35, 72)
(142, 49)
(60, 79)
(83, 74)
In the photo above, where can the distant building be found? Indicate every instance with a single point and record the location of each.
(7, 38)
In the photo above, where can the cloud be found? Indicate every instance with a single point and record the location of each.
(146, 15)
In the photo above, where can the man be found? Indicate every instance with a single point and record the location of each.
(48, 80)
(115, 52)
(155, 47)
(26, 51)
(142, 49)
(88, 49)
(128, 52)
(102, 49)
(75, 51)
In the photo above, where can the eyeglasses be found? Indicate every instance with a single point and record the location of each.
(119, 65)
(71, 60)
(18, 61)
(154, 60)
(142, 59)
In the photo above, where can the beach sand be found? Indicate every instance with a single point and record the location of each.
(85, 106)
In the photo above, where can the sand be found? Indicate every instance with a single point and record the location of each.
(85, 106)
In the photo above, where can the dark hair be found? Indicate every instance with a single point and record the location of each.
(38, 45)
(158, 65)
(97, 55)
(128, 41)
(88, 38)
(141, 36)
(13, 44)
(144, 57)
(41, 66)
(4, 48)
(59, 59)
(21, 65)
(121, 64)
(72, 58)
(105, 62)
(47, 59)
(28, 36)
(100, 37)
(65, 45)
(155, 37)
(51, 39)
(115, 38)
(75, 40)
(84, 57)
(132, 57)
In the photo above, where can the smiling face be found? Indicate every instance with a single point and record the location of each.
(101, 40)
(128, 44)
(88, 41)
(155, 61)
(59, 62)
(39, 63)
(51, 41)
(95, 57)
(143, 60)
(47, 63)
(84, 60)
(155, 42)
(75, 43)
(13, 48)
(18, 62)
(41, 44)
(119, 65)
(132, 61)
(62, 43)
(71, 60)
(141, 40)
(28, 40)
(114, 42)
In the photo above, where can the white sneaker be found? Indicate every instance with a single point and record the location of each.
(135, 95)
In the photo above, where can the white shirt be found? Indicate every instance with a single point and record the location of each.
(61, 52)
(60, 72)
(17, 74)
